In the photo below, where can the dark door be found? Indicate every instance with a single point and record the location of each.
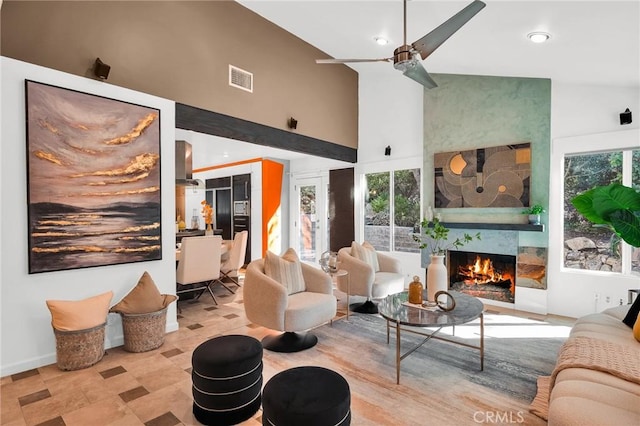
(341, 208)
(223, 212)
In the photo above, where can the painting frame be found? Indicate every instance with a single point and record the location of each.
(494, 176)
(93, 168)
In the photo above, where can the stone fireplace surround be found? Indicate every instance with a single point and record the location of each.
(530, 294)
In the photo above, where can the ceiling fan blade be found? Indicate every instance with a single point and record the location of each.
(416, 72)
(427, 44)
(344, 61)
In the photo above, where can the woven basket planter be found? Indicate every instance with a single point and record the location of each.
(80, 348)
(144, 332)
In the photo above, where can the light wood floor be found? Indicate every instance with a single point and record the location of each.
(154, 388)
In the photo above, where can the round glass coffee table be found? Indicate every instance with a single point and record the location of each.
(406, 318)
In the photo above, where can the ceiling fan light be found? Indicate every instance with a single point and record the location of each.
(381, 41)
(538, 36)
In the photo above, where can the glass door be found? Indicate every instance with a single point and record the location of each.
(310, 219)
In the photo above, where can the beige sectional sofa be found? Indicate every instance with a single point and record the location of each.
(585, 394)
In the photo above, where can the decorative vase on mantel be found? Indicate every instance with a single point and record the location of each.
(436, 277)
(208, 230)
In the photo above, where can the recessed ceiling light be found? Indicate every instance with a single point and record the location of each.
(538, 36)
(381, 40)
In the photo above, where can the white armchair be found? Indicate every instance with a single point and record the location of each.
(368, 281)
(269, 303)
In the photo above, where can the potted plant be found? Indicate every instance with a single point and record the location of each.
(534, 213)
(435, 239)
(614, 206)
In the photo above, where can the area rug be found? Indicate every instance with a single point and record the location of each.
(517, 352)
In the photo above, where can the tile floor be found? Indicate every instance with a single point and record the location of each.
(150, 388)
(154, 388)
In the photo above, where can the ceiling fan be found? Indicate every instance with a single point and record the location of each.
(406, 58)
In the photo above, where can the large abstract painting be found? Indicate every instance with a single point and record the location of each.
(93, 169)
(485, 177)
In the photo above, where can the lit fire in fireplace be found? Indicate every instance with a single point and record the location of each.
(483, 272)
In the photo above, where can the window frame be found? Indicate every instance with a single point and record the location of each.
(390, 167)
(584, 286)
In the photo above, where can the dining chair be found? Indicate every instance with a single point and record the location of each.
(199, 265)
(235, 260)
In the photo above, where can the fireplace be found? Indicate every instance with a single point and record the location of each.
(484, 275)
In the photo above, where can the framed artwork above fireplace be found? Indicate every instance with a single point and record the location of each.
(498, 176)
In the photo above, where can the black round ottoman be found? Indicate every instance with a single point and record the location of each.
(227, 378)
(309, 396)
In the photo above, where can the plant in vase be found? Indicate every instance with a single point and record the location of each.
(435, 238)
(534, 213)
(207, 213)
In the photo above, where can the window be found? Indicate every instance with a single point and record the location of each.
(392, 197)
(592, 247)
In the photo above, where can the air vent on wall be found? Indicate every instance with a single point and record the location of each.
(240, 78)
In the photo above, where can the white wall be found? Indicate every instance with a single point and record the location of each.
(27, 338)
(390, 114)
(578, 113)
(582, 110)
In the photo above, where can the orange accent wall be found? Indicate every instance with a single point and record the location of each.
(271, 199)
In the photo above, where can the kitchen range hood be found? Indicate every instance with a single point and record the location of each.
(184, 166)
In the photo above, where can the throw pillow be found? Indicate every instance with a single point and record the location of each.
(367, 253)
(143, 298)
(71, 315)
(632, 315)
(636, 329)
(286, 270)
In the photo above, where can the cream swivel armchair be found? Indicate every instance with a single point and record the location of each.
(199, 265)
(234, 262)
(283, 294)
(371, 274)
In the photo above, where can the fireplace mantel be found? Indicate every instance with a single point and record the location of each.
(495, 226)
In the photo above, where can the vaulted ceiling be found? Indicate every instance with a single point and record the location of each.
(592, 42)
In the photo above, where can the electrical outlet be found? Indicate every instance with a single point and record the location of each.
(597, 296)
(620, 301)
(607, 299)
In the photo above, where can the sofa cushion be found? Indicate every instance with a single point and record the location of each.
(367, 253)
(286, 270)
(632, 315)
(605, 325)
(636, 329)
(143, 298)
(586, 403)
(72, 315)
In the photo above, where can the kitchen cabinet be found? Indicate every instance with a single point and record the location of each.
(242, 208)
(218, 194)
(242, 187)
